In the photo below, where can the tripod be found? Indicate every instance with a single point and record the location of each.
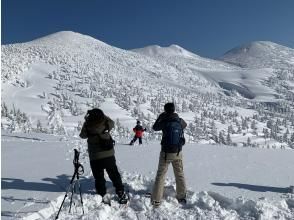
(74, 183)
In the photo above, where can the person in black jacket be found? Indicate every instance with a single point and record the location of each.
(96, 130)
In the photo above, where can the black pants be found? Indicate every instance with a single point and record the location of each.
(135, 138)
(98, 167)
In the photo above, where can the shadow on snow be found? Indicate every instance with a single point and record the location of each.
(59, 184)
(256, 188)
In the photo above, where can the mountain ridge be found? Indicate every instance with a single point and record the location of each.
(56, 81)
(67, 49)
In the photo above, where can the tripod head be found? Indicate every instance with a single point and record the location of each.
(79, 169)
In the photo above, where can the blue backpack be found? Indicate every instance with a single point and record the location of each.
(174, 136)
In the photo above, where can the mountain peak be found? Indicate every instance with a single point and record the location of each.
(172, 50)
(260, 54)
(255, 46)
(66, 37)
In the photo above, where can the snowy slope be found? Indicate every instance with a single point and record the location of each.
(73, 60)
(62, 75)
(179, 57)
(261, 54)
(172, 50)
(68, 49)
(223, 183)
(249, 82)
(170, 65)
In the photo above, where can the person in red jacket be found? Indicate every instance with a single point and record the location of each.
(138, 133)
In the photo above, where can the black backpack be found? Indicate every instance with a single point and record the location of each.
(174, 139)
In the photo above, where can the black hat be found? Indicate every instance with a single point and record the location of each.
(94, 114)
(138, 122)
(169, 107)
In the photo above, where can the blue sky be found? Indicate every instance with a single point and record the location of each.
(205, 27)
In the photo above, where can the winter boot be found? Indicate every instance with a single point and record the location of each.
(123, 198)
(182, 201)
(155, 204)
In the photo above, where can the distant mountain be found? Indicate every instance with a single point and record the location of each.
(261, 54)
(173, 65)
(57, 78)
(67, 49)
(86, 71)
(176, 55)
(172, 50)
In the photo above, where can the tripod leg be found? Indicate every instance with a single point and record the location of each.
(72, 192)
(63, 201)
(79, 184)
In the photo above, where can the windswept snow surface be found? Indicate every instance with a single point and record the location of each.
(223, 183)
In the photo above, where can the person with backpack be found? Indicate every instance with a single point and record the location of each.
(172, 141)
(96, 130)
(138, 133)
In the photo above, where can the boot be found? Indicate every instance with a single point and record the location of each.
(182, 201)
(155, 204)
(123, 198)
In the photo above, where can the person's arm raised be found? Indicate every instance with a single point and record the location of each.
(83, 133)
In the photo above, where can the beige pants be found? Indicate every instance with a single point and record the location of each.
(177, 163)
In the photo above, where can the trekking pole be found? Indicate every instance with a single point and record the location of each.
(79, 170)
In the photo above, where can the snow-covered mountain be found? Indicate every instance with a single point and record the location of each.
(249, 73)
(172, 50)
(177, 55)
(261, 54)
(64, 74)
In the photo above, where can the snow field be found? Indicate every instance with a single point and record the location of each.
(223, 182)
(202, 205)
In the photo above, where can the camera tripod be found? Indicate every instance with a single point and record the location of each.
(74, 183)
